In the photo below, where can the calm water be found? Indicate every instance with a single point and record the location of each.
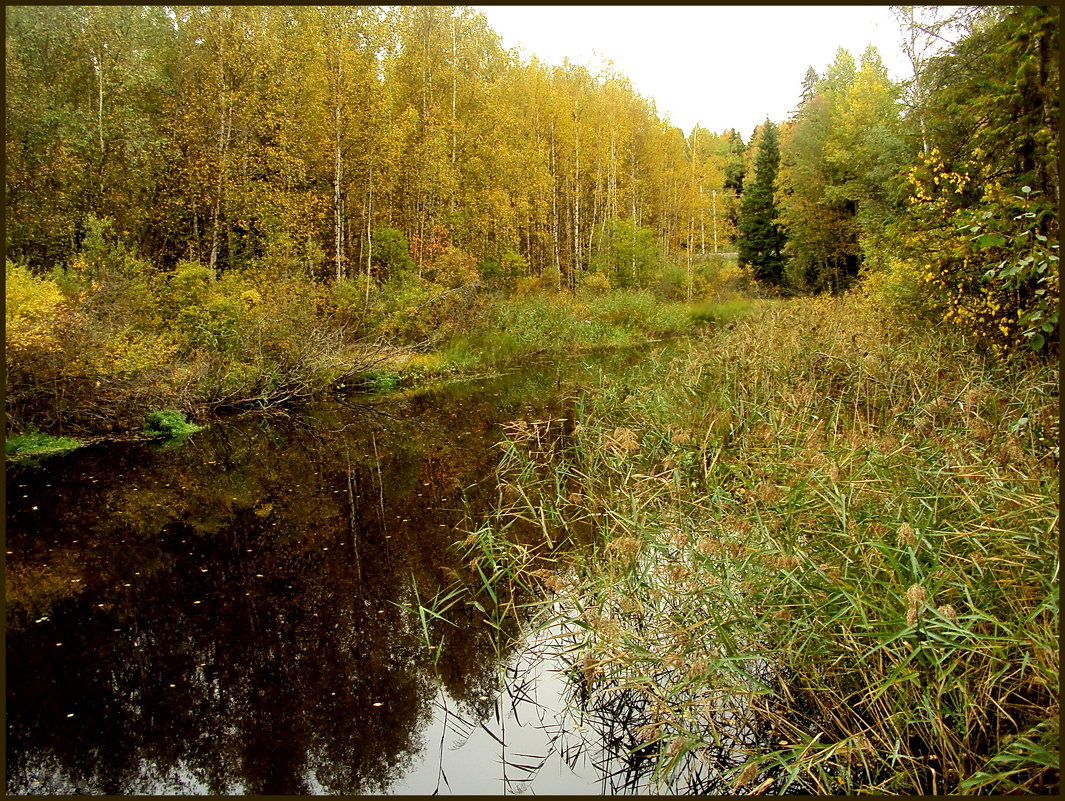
(229, 616)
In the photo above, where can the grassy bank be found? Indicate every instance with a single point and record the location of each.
(32, 445)
(510, 328)
(824, 555)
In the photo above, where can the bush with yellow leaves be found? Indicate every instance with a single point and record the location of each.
(34, 313)
(974, 255)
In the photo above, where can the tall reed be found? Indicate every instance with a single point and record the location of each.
(821, 552)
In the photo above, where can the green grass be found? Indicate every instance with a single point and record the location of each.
(723, 312)
(32, 444)
(841, 533)
(514, 327)
(168, 423)
(378, 381)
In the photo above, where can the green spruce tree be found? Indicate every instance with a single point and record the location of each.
(761, 239)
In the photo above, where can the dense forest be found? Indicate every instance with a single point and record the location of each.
(217, 203)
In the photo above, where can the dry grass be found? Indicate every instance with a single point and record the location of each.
(820, 554)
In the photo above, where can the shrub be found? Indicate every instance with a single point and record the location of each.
(390, 252)
(131, 352)
(168, 423)
(595, 284)
(34, 311)
(349, 296)
(504, 271)
(973, 254)
(452, 268)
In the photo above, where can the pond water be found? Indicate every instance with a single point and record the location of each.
(232, 615)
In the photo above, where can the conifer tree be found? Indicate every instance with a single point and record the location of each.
(761, 239)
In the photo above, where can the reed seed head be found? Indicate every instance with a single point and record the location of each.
(948, 612)
(623, 441)
(916, 595)
(647, 732)
(789, 562)
(906, 535)
(680, 436)
(588, 667)
(747, 775)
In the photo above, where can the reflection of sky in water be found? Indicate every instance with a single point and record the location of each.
(533, 734)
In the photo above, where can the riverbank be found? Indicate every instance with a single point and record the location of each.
(825, 555)
(87, 360)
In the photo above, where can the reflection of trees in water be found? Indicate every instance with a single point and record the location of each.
(620, 726)
(262, 648)
(625, 724)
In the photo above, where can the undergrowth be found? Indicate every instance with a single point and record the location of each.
(32, 444)
(819, 555)
(168, 423)
(518, 326)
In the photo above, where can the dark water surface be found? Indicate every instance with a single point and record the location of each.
(228, 616)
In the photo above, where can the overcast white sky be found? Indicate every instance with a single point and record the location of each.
(718, 66)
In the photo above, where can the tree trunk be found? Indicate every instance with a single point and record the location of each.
(555, 251)
(454, 91)
(369, 238)
(224, 133)
(338, 217)
(576, 204)
(100, 101)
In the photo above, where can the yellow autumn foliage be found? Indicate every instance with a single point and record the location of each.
(34, 311)
(131, 352)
